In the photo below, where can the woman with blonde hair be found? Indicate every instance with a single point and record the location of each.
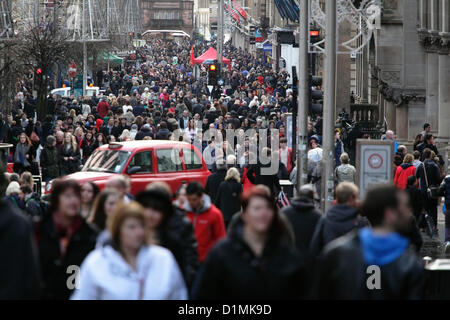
(128, 268)
(70, 155)
(26, 179)
(229, 194)
(403, 171)
(125, 136)
(73, 115)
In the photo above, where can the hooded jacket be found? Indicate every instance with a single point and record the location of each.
(338, 221)
(105, 275)
(233, 271)
(402, 173)
(208, 225)
(342, 269)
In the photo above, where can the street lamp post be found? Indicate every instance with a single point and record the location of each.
(329, 107)
(221, 36)
(303, 97)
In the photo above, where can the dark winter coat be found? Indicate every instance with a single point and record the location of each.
(341, 273)
(256, 176)
(88, 147)
(303, 217)
(338, 221)
(19, 267)
(53, 264)
(213, 182)
(180, 240)
(163, 134)
(228, 199)
(232, 271)
(49, 160)
(69, 166)
(433, 175)
(144, 132)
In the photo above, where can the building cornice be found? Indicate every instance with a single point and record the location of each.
(433, 41)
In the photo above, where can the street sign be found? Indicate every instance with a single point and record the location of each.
(72, 70)
(374, 160)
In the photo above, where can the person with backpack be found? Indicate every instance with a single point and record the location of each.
(34, 207)
(339, 219)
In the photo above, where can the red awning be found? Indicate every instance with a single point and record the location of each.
(211, 54)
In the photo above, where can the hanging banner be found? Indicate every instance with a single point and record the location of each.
(240, 10)
(232, 13)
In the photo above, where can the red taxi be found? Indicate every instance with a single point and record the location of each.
(145, 161)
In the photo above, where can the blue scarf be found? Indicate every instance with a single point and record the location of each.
(381, 250)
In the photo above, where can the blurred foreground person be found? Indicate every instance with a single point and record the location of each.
(373, 263)
(64, 238)
(304, 217)
(104, 206)
(18, 256)
(89, 191)
(128, 269)
(339, 219)
(254, 261)
(170, 228)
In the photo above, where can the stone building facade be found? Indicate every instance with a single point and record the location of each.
(169, 14)
(405, 70)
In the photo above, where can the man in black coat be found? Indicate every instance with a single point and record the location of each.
(144, 132)
(163, 132)
(373, 263)
(19, 271)
(339, 219)
(304, 218)
(261, 174)
(429, 175)
(428, 143)
(215, 179)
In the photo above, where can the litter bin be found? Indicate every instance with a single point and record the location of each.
(437, 284)
(288, 188)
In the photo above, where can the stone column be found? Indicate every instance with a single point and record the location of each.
(390, 116)
(434, 8)
(423, 14)
(445, 16)
(401, 126)
(444, 97)
(432, 103)
(365, 75)
(343, 71)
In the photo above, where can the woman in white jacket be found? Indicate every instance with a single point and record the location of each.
(128, 269)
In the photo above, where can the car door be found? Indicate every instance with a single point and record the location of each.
(194, 168)
(169, 167)
(146, 174)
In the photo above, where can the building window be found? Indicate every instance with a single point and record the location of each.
(166, 15)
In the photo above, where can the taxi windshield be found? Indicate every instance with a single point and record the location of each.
(111, 161)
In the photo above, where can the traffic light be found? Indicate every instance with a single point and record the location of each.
(314, 35)
(39, 71)
(213, 73)
(315, 96)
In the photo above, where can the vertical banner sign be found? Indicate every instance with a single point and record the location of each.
(374, 163)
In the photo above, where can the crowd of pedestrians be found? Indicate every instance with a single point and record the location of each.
(230, 239)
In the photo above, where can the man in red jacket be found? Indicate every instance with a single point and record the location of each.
(103, 108)
(207, 220)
